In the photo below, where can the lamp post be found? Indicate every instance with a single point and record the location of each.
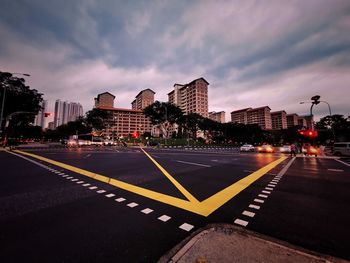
(316, 100)
(5, 85)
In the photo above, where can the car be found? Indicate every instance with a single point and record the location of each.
(310, 150)
(341, 148)
(266, 148)
(247, 148)
(285, 149)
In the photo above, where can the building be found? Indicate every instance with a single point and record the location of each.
(309, 121)
(51, 125)
(191, 97)
(240, 116)
(104, 99)
(301, 121)
(279, 120)
(143, 99)
(40, 117)
(66, 112)
(292, 120)
(217, 116)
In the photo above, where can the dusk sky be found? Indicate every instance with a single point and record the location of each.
(253, 53)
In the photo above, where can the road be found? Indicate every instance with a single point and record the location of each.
(134, 205)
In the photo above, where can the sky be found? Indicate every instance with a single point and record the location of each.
(253, 53)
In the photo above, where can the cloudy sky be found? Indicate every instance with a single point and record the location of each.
(253, 53)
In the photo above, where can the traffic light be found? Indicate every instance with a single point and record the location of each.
(135, 134)
(308, 133)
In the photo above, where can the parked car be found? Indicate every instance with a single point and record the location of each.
(266, 148)
(247, 148)
(285, 149)
(341, 148)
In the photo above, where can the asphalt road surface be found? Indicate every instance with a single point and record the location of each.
(133, 205)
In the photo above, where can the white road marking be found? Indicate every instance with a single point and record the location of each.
(254, 206)
(64, 175)
(100, 191)
(121, 199)
(86, 185)
(147, 211)
(164, 218)
(110, 195)
(214, 160)
(273, 182)
(335, 170)
(198, 164)
(74, 180)
(93, 187)
(70, 177)
(247, 213)
(263, 196)
(132, 205)
(186, 227)
(271, 185)
(269, 188)
(266, 192)
(259, 201)
(342, 162)
(80, 182)
(241, 222)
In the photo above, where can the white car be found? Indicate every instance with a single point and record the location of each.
(247, 148)
(285, 149)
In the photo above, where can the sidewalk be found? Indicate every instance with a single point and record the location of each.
(228, 243)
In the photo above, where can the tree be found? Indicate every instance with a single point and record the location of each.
(18, 98)
(163, 114)
(191, 123)
(336, 123)
(96, 118)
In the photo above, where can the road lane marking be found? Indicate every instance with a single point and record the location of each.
(80, 182)
(269, 188)
(93, 187)
(74, 180)
(271, 185)
(121, 199)
(132, 205)
(262, 196)
(254, 206)
(164, 218)
(340, 161)
(196, 164)
(100, 191)
(70, 177)
(147, 211)
(335, 170)
(241, 222)
(203, 208)
(259, 201)
(247, 213)
(110, 195)
(86, 185)
(186, 227)
(266, 192)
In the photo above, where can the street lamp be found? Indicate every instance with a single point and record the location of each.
(4, 94)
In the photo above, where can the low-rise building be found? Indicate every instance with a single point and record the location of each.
(217, 116)
(279, 120)
(292, 120)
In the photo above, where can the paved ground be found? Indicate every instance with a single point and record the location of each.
(126, 205)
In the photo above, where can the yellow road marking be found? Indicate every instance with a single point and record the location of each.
(188, 195)
(203, 208)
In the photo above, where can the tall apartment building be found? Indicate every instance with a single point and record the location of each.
(279, 120)
(191, 97)
(104, 99)
(240, 116)
(40, 117)
(292, 120)
(123, 122)
(309, 121)
(260, 116)
(66, 112)
(143, 99)
(217, 116)
(301, 121)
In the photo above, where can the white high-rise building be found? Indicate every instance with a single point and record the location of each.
(40, 117)
(66, 112)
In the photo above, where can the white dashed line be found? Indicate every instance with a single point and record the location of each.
(186, 227)
(259, 201)
(93, 187)
(70, 177)
(65, 175)
(198, 164)
(110, 195)
(132, 205)
(241, 222)
(86, 185)
(100, 191)
(263, 196)
(121, 199)
(247, 213)
(342, 162)
(147, 211)
(271, 185)
(80, 182)
(74, 180)
(266, 192)
(269, 188)
(272, 182)
(254, 206)
(335, 170)
(164, 218)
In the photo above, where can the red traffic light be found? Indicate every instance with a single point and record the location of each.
(135, 134)
(308, 133)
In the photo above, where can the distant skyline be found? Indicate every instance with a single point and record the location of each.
(253, 53)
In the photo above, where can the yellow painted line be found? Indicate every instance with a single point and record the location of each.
(203, 208)
(188, 195)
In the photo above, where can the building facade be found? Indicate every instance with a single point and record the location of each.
(143, 99)
(104, 99)
(240, 116)
(301, 121)
(217, 116)
(260, 116)
(279, 120)
(292, 120)
(66, 112)
(40, 117)
(191, 97)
